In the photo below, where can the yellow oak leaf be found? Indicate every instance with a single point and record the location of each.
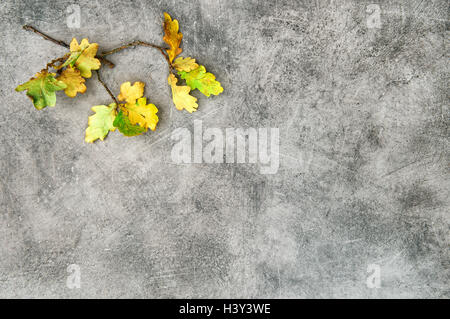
(73, 80)
(181, 97)
(142, 113)
(86, 60)
(171, 36)
(130, 93)
(185, 64)
(101, 122)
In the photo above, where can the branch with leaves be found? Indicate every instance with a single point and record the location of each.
(134, 115)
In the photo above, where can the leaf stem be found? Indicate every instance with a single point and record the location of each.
(106, 88)
(61, 43)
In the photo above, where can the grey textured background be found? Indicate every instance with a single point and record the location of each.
(363, 177)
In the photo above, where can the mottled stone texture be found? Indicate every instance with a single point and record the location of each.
(363, 177)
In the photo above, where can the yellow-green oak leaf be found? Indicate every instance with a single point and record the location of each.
(101, 122)
(204, 81)
(41, 89)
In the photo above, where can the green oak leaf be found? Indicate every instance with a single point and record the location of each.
(122, 122)
(204, 81)
(101, 122)
(41, 89)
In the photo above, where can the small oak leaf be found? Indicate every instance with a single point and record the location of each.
(130, 93)
(101, 122)
(181, 97)
(41, 89)
(185, 64)
(123, 123)
(86, 60)
(142, 113)
(73, 80)
(204, 81)
(171, 36)
(73, 57)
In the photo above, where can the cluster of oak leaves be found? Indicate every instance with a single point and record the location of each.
(135, 116)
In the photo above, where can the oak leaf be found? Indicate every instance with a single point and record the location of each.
(41, 89)
(101, 122)
(142, 113)
(204, 81)
(171, 36)
(130, 93)
(185, 64)
(74, 81)
(73, 57)
(123, 123)
(181, 97)
(84, 57)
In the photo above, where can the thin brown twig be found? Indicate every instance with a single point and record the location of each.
(46, 37)
(107, 89)
(141, 43)
(54, 61)
(132, 44)
(62, 43)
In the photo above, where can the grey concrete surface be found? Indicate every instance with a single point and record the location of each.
(362, 109)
